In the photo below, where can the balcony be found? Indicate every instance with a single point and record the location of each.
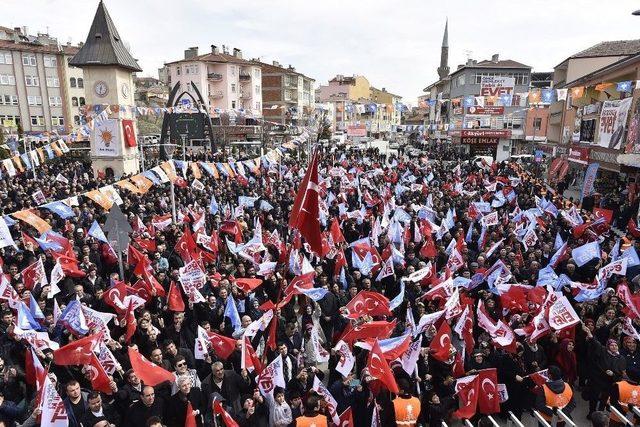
(216, 94)
(246, 95)
(245, 77)
(216, 77)
(291, 83)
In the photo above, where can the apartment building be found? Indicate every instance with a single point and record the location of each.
(288, 96)
(226, 81)
(39, 91)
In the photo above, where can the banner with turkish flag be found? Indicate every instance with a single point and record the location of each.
(380, 370)
(148, 372)
(223, 346)
(368, 303)
(174, 299)
(441, 343)
(488, 401)
(306, 209)
(607, 214)
(129, 132)
(78, 352)
(99, 379)
(375, 329)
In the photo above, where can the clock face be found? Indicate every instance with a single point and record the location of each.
(101, 89)
(125, 90)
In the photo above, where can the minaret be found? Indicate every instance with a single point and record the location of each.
(443, 69)
(108, 69)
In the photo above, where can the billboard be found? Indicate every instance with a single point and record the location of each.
(356, 130)
(497, 85)
(187, 124)
(613, 121)
(487, 110)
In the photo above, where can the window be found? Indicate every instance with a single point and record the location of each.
(191, 69)
(29, 59)
(74, 101)
(257, 89)
(178, 69)
(8, 99)
(55, 101)
(37, 121)
(233, 104)
(34, 100)
(53, 82)
(233, 70)
(76, 120)
(257, 105)
(57, 121)
(50, 61)
(15, 120)
(460, 80)
(31, 81)
(72, 82)
(81, 100)
(256, 72)
(80, 82)
(233, 88)
(537, 123)
(6, 58)
(7, 79)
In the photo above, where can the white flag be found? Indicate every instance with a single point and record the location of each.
(562, 315)
(321, 354)
(200, 348)
(5, 235)
(409, 359)
(271, 377)
(57, 274)
(53, 411)
(62, 179)
(332, 405)
(387, 269)
(346, 359)
(197, 184)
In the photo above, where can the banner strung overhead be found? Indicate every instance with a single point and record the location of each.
(106, 138)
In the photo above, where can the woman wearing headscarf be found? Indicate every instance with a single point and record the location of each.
(609, 368)
(567, 361)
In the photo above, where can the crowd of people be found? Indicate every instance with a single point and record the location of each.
(445, 289)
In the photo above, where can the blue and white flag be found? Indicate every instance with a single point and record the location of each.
(231, 311)
(213, 206)
(558, 242)
(585, 253)
(315, 294)
(73, 318)
(624, 86)
(61, 209)
(395, 303)
(152, 176)
(266, 206)
(632, 257)
(589, 179)
(96, 232)
(207, 168)
(547, 276)
(25, 319)
(34, 309)
(46, 244)
(615, 251)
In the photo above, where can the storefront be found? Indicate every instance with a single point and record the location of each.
(487, 142)
(610, 174)
(578, 160)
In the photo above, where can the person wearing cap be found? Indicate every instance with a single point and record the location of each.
(555, 394)
(406, 407)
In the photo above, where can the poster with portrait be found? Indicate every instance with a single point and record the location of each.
(105, 141)
(613, 121)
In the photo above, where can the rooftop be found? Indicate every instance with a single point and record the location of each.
(275, 67)
(610, 48)
(38, 48)
(103, 45)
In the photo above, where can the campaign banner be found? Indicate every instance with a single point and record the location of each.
(562, 315)
(589, 179)
(356, 130)
(192, 278)
(490, 110)
(613, 121)
(496, 85)
(106, 138)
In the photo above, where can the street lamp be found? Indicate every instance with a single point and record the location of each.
(169, 149)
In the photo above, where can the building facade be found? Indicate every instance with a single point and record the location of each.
(39, 92)
(226, 81)
(288, 96)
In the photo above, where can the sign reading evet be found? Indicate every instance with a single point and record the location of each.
(496, 85)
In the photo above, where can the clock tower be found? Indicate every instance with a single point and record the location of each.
(108, 69)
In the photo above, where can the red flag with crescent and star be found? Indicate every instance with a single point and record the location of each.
(368, 303)
(441, 343)
(467, 389)
(129, 133)
(380, 370)
(77, 352)
(306, 209)
(223, 346)
(148, 372)
(488, 399)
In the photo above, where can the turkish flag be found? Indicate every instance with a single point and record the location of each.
(175, 300)
(223, 346)
(186, 247)
(375, 329)
(368, 303)
(99, 378)
(34, 245)
(146, 244)
(190, 419)
(114, 296)
(250, 360)
(336, 232)
(273, 327)
(441, 343)
(34, 274)
(467, 389)
(633, 229)
(129, 133)
(488, 399)
(69, 265)
(428, 249)
(362, 249)
(247, 284)
(148, 372)
(539, 377)
(306, 209)
(78, 352)
(346, 418)
(607, 214)
(380, 370)
(233, 228)
(130, 317)
(219, 410)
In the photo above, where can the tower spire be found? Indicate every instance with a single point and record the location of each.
(443, 69)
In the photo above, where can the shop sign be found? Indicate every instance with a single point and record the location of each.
(487, 133)
(480, 141)
(579, 155)
(591, 108)
(488, 110)
(356, 130)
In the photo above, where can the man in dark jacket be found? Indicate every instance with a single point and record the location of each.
(99, 411)
(148, 406)
(229, 384)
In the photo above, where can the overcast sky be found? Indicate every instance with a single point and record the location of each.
(395, 44)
